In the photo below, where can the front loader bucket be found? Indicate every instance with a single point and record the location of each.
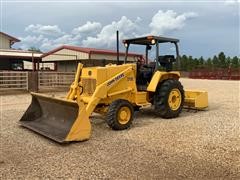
(57, 119)
(196, 99)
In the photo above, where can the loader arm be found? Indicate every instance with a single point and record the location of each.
(82, 127)
(75, 86)
(68, 120)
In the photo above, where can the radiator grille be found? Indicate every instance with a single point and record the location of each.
(89, 86)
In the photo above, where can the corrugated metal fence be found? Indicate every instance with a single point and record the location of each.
(226, 74)
(13, 80)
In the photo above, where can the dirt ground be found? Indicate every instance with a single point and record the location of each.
(197, 145)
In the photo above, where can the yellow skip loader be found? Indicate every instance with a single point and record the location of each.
(115, 91)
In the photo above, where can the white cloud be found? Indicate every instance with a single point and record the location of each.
(44, 29)
(73, 38)
(230, 2)
(94, 34)
(30, 41)
(47, 45)
(90, 28)
(53, 43)
(63, 39)
(107, 37)
(169, 21)
(138, 20)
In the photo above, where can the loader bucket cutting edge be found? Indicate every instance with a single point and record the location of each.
(57, 119)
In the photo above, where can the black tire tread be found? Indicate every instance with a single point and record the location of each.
(162, 108)
(111, 117)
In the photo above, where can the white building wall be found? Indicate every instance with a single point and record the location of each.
(65, 55)
(4, 42)
(111, 57)
(28, 65)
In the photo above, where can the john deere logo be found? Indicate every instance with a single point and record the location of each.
(115, 79)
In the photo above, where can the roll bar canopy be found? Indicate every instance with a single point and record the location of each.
(152, 41)
(147, 40)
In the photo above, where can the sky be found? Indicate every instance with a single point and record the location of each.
(204, 27)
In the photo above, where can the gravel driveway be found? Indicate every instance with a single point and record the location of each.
(202, 145)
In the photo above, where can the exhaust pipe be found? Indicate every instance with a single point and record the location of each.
(117, 34)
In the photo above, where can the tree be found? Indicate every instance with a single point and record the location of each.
(235, 62)
(184, 63)
(195, 63)
(190, 63)
(201, 62)
(215, 62)
(34, 49)
(222, 60)
(209, 63)
(228, 61)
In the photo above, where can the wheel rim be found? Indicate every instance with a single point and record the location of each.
(124, 115)
(174, 99)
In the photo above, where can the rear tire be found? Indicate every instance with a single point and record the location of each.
(120, 114)
(169, 99)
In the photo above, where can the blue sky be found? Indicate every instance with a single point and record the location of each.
(204, 28)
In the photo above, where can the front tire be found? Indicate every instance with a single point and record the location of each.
(120, 114)
(169, 99)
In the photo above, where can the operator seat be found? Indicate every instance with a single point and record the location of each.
(144, 75)
(167, 61)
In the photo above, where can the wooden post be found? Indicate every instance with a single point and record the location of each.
(55, 66)
(33, 63)
(33, 81)
(37, 65)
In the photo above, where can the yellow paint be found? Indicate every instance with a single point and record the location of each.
(72, 92)
(120, 92)
(141, 98)
(196, 99)
(160, 76)
(124, 115)
(174, 99)
(81, 129)
(116, 75)
(94, 88)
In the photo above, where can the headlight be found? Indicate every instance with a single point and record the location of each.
(153, 41)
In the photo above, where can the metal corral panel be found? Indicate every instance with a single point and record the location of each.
(111, 57)
(66, 55)
(49, 80)
(12, 80)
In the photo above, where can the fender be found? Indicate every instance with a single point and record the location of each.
(159, 77)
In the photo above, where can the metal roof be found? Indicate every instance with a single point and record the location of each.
(146, 40)
(87, 50)
(19, 54)
(10, 37)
